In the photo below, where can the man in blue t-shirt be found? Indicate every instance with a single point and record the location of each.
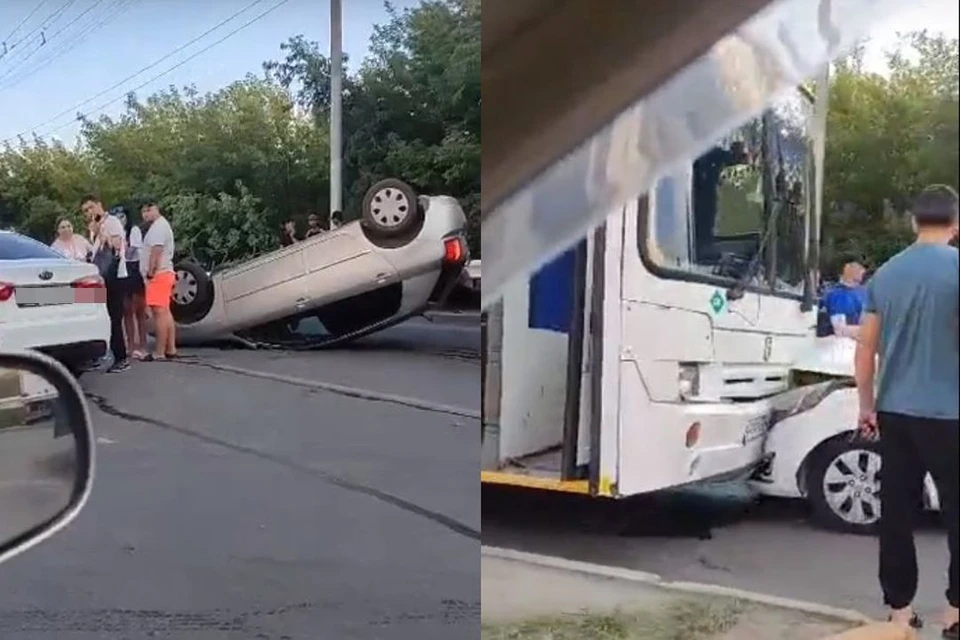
(843, 303)
(910, 328)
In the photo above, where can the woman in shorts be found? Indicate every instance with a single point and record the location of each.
(135, 307)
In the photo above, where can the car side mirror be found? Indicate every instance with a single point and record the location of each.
(46, 450)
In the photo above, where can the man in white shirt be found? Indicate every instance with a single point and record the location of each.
(110, 237)
(156, 265)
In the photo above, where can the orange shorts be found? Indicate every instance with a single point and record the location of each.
(159, 288)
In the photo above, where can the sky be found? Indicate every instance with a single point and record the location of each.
(936, 16)
(104, 41)
(93, 44)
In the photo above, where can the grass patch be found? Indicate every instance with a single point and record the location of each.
(684, 620)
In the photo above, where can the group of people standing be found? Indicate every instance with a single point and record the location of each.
(136, 263)
(289, 234)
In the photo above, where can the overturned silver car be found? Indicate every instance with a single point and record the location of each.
(404, 255)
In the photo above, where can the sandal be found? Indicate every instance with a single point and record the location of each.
(152, 358)
(916, 622)
(139, 355)
(952, 632)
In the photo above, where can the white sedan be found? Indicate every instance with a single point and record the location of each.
(816, 453)
(404, 255)
(51, 304)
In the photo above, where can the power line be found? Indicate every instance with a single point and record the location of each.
(15, 76)
(20, 24)
(43, 25)
(19, 64)
(153, 64)
(210, 46)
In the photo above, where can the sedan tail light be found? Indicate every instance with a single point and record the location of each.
(454, 250)
(88, 282)
(6, 291)
(90, 289)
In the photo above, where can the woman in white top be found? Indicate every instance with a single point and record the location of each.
(134, 306)
(69, 244)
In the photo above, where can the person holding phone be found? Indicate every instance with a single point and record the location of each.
(109, 247)
(909, 326)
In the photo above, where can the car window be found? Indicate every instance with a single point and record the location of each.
(17, 247)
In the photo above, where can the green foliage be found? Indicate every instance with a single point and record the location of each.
(221, 228)
(887, 138)
(413, 108)
(231, 165)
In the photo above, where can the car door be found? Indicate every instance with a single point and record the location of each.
(343, 263)
(266, 288)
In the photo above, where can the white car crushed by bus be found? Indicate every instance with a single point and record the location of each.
(403, 256)
(817, 455)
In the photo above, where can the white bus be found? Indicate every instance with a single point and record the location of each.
(655, 353)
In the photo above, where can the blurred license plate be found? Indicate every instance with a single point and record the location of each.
(43, 296)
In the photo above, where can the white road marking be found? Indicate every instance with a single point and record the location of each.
(365, 394)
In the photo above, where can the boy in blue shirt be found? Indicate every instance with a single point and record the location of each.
(843, 303)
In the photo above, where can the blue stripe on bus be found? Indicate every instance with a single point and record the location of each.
(551, 295)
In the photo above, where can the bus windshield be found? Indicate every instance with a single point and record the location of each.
(741, 212)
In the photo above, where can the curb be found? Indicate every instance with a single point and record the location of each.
(694, 588)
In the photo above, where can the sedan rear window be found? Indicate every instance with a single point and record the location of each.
(16, 247)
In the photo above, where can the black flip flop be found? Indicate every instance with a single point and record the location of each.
(916, 622)
(952, 632)
(152, 358)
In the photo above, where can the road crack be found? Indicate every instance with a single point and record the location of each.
(443, 520)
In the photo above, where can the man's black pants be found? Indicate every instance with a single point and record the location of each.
(116, 295)
(911, 447)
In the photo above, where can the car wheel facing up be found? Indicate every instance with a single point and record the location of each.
(391, 209)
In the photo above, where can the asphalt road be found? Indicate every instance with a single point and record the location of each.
(717, 536)
(230, 506)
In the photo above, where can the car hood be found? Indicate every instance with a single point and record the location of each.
(832, 356)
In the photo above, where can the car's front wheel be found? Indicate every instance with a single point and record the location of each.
(192, 296)
(843, 485)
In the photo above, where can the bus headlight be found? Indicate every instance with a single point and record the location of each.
(688, 381)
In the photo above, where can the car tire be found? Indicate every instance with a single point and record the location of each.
(391, 209)
(843, 485)
(192, 296)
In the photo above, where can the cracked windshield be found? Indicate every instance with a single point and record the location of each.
(249, 231)
(741, 212)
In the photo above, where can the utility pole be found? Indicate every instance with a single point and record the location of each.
(336, 106)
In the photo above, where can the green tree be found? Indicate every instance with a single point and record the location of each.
(413, 108)
(887, 138)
